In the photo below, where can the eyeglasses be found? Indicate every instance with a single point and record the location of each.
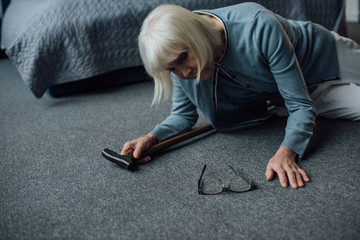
(212, 186)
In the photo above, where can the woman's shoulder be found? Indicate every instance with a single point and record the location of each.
(243, 11)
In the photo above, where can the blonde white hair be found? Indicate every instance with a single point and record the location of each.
(167, 32)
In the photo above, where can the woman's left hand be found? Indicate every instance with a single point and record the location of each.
(283, 163)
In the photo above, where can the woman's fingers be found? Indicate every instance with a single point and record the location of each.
(274, 166)
(128, 148)
(304, 176)
(137, 146)
(269, 173)
(296, 177)
(289, 173)
(134, 147)
(292, 176)
(143, 159)
(282, 177)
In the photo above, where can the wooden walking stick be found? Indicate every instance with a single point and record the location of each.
(128, 161)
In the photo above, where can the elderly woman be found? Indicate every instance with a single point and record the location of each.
(232, 63)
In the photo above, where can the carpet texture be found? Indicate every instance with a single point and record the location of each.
(56, 185)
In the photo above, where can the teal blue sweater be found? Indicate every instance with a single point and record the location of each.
(267, 58)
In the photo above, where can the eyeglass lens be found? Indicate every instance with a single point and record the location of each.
(210, 185)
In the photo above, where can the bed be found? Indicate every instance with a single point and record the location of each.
(63, 45)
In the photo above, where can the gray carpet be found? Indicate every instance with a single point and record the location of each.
(56, 185)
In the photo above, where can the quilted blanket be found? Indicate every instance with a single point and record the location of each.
(71, 40)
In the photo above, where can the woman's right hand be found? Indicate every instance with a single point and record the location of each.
(137, 146)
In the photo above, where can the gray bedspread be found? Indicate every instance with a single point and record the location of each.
(72, 40)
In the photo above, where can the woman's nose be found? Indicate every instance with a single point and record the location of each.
(186, 72)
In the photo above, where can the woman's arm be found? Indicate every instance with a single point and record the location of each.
(182, 118)
(183, 115)
(277, 48)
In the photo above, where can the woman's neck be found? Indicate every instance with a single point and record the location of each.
(220, 51)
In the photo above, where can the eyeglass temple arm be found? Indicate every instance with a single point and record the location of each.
(202, 173)
(246, 178)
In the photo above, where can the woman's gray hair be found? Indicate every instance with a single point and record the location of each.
(167, 32)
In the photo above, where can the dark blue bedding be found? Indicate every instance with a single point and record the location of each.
(63, 41)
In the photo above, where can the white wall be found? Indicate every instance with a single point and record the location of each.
(353, 10)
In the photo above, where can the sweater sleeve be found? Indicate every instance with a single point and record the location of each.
(278, 50)
(182, 118)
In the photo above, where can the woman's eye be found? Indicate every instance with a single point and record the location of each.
(182, 57)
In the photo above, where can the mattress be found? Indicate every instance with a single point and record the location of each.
(60, 41)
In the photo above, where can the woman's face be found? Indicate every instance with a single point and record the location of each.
(185, 67)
